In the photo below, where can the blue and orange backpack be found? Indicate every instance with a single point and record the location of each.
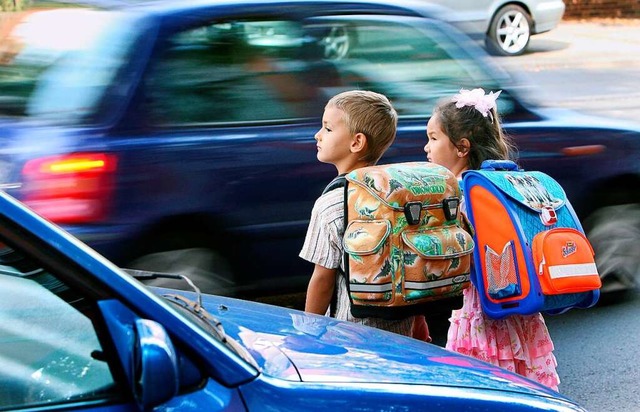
(531, 252)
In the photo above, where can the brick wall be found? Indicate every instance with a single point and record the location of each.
(585, 9)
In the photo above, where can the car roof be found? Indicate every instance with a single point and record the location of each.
(167, 7)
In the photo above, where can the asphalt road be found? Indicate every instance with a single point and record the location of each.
(597, 355)
(592, 66)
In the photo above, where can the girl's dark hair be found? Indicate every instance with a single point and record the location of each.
(485, 134)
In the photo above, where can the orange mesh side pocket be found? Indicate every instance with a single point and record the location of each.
(565, 262)
(503, 279)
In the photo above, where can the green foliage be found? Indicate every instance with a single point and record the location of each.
(14, 5)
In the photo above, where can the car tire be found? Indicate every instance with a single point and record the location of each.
(614, 233)
(336, 43)
(189, 255)
(509, 32)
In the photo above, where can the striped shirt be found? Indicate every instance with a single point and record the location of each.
(323, 246)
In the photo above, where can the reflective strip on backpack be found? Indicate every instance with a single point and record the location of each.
(566, 271)
(436, 283)
(369, 287)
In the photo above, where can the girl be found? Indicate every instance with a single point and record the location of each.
(463, 132)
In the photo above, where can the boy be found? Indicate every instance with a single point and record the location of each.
(357, 128)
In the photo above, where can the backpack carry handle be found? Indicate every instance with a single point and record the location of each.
(499, 165)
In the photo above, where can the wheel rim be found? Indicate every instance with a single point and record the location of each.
(336, 43)
(512, 32)
(202, 266)
(615, 234)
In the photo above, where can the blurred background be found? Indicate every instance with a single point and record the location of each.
(179, 138)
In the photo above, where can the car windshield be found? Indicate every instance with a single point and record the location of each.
(49, 349)
(56, 64)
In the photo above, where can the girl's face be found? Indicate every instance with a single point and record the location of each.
(333, 139)
(441, 150)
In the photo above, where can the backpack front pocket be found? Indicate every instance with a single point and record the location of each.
(370, 269)
(436, 262)
(565, 262)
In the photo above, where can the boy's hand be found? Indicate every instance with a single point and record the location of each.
(320, 290)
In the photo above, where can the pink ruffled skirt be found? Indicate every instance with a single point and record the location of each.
(518, 343)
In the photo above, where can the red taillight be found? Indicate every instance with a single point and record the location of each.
(73, 188)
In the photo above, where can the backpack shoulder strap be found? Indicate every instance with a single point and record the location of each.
(338, 181)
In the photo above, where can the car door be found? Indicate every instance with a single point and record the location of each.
(473, 16)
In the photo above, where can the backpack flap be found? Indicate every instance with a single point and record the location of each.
(536, 193)
(565, 262)
(402, 183)
(436, 262)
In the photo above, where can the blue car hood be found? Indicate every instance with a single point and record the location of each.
(293, 345)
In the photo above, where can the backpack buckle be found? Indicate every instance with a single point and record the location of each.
(548, 216)
(412, 211)
(450, 207)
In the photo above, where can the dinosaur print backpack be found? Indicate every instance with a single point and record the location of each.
(531, 252)
(404, 245)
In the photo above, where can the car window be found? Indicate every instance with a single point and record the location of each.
(236, 71)
(247, 71)
(413, 62)
(49, 350)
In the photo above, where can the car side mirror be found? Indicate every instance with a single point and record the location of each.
(154, 365)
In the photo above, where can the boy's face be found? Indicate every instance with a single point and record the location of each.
(333, 138)
(440, 149)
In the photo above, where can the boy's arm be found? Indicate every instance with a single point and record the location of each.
(320, 290)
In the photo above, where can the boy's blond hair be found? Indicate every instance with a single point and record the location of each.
(371, 114)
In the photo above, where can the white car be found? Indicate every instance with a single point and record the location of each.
(506, 26)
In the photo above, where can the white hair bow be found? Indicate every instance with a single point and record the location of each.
(478, 99)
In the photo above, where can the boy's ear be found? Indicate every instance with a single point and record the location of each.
(358, 143)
